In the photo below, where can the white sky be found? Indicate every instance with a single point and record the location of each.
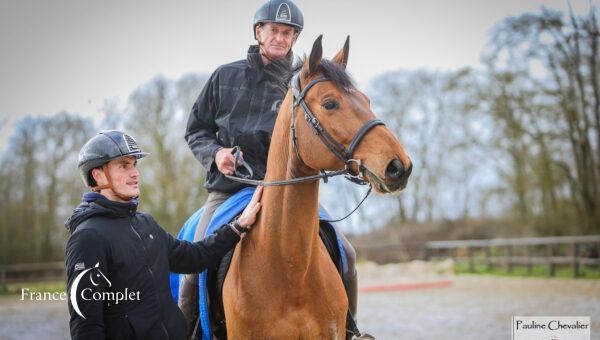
(73, 54)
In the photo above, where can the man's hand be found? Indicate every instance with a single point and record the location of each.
(224, 160)
(249, 215)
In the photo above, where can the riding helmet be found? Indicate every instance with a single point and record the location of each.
(103, 148)
(279, 11)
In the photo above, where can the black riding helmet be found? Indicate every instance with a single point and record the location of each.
(279, 11)
(103, 148)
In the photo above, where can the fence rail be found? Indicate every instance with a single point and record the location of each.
(30, 271)
(508, 252)
(575, 251)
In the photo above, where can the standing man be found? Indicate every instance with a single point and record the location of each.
(238, 107)
(118, 259)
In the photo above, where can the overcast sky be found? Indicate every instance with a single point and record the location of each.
(73, 54)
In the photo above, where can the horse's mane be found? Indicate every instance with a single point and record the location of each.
(336, 74)
(332, 71)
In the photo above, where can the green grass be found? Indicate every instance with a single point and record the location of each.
(37, 286)
(537, 271)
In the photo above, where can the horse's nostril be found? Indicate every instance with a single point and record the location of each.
(395, 169)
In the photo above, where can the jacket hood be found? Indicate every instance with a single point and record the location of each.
(94, 204)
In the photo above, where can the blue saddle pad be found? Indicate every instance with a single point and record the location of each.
(233, 206)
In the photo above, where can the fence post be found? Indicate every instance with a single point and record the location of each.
(471, 260)
(575, 263)
(528, 253)
(550, 255)
(3, 287)
(508, 258)
(488, 255)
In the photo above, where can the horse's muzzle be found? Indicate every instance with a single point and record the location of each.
(396, 176)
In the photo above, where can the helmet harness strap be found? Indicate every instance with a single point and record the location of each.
(110, 186)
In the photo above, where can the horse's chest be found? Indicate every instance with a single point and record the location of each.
(305, 311)
(291, 324)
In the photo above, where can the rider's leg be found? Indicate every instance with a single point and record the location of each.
(350, 276)
(188, 289)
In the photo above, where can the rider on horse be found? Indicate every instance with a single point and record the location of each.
(238, 107)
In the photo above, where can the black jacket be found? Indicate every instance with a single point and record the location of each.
(238, 107)
(134, 254)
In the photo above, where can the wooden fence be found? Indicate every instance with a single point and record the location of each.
(573, 251)
(30, 272)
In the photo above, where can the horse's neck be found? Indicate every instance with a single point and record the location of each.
(288, 226)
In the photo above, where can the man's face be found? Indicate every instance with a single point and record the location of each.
(276, 40)
(124, 176)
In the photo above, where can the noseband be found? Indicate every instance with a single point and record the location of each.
(339, 150)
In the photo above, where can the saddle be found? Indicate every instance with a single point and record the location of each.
(211, 319)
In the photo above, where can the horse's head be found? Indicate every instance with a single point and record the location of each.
(333, 125)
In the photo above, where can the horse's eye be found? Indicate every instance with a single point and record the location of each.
(331, 105)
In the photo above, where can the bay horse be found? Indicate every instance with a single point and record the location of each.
(282, 283)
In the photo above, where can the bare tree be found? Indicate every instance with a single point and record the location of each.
(172, 179)
(40, 185)
(550, 62)
(429, 111)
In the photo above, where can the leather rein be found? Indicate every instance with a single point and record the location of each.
(339, 150)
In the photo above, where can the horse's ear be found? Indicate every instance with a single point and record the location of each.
(315, 55)
(341, 57)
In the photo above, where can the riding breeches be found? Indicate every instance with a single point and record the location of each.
(188, 288)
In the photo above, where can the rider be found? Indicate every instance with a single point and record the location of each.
(238, 107)
(128, 252)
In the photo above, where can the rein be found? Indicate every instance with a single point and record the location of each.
(339, 150)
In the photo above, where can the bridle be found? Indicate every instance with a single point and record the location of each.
(339, 150)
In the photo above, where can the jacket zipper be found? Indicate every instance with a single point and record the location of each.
(151, 273)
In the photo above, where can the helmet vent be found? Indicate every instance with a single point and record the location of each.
(131, 144)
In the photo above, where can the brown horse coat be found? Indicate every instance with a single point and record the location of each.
(282, 283)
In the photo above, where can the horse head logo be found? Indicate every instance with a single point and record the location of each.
(95, 277)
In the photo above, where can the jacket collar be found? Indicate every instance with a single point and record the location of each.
(276, 70)
(253, 57)
(119, 208)
(94, 204)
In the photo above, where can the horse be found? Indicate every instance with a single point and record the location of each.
(282, 283)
